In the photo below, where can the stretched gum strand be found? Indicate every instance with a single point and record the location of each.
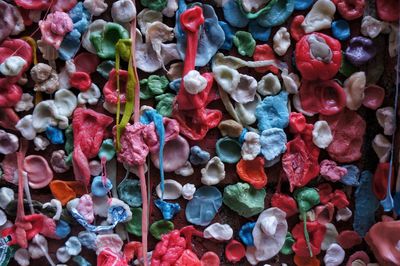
(37, 29)
(387, 202)
(130, 91)
(32, 43)
(21, 180)
(118, 114)
(143, 189)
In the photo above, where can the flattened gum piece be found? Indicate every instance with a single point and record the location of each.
(38, 171)
(252, 171)
(383, 239)
(348, 129)
(374, 96)
(65, 191)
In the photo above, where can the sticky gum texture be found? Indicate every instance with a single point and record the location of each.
(368, 160)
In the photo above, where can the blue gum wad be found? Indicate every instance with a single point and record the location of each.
(277, 15)
(229, 33)
(62, 229)
(272, 112)
(87, 239)
(175, 84)
(258, 32)
(242, 135)
(352, 176)
(366, 205)
(341, 29)
(234, 15)
(244, 199)
(396, 201)
(81, 261)
(129, 192)
(80, 16)
(204, 206)
(246, 233)
(167, 209)
(107, 149)
(105, 67)
(302, 4)
(98, 188)
(198, 156)
(55, 135)
(228, 150)
(273, 143)
(211, 37)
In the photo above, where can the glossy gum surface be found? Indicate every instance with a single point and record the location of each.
(206, 244)
(311, 68)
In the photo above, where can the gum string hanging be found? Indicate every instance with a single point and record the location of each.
(143, 188)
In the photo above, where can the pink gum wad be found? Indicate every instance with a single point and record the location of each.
(169, 249)
(133, 148)
(348, 129)
(89, 128)
(150, 136)
(138, 140)
(383, 239)
(55, 27)
(331, 171)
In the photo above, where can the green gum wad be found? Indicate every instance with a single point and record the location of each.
(159, 228)
(244, 42)
(69, 144)
(107, 149)
(153, 85)
(287, 246)
(165, 104)
(156, 5)
(134, 226)
(244, 199)
(104, 42)
(306, 199)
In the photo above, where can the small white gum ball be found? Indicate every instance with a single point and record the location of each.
(334, 255)
(188, 191)
(269, 85)
(25, 127)
(281, 41)
(123, 11)
(217, 231)
(320, 16)
(12, 66)
(322, 134)
(354, 88)
(213, 172)
(194, 82)
(172, 189)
